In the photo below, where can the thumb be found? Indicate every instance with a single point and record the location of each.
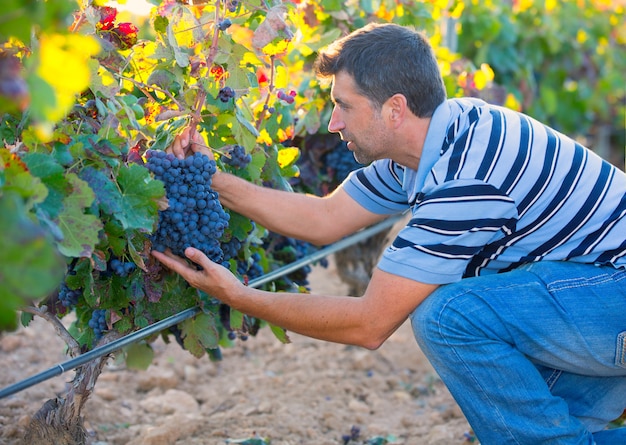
(198, 257)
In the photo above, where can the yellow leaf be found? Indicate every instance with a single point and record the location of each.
(485, 68)
(277, 47)
(264, 137)
(457, 11)
(512, 103)
(63, 64)
(480, 80)
(483, 77)
(288, 156)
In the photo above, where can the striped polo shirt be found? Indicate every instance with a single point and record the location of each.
(495, 189)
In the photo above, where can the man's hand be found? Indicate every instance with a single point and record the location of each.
(188, 142)
(213, 278)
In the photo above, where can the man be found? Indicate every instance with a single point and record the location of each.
(511, 269)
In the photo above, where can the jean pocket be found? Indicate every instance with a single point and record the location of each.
(620, 356)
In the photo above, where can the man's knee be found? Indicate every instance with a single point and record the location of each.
(438, 314)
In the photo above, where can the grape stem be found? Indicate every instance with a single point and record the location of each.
(72, 344)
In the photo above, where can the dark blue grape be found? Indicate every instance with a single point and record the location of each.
(232, 5)
(224, 24)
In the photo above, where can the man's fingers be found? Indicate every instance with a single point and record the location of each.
(173, 262)
(197, 144)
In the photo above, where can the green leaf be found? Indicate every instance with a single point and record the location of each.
(139, 195)
(239, 225)
(80, 230)
(280, 334)
(182, 58)
(199, 333)
(19, 180)
(244, 133)
(169, 296)
(139, 356)
(160, 24)
(30, 267)
(236, 319)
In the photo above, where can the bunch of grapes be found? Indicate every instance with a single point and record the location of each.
(226, 94)
(289, 250)
(69, 297)
(237, 157)
(98, 322)
(250, 325)
(340, 162)
(252, 268)
(194, 217)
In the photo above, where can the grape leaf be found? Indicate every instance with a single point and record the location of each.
(18, 179)
(52, 174)
(280, 334)
(199, 333)
(244, 132)
(239, 225)
(232, 56)
(236, 319)
(107, 194)
(30, 267)
(140, 193)
(168, 296)
(182, 58)
(80, 230)
(139, 356)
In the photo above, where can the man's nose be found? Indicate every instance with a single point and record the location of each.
(335, 125)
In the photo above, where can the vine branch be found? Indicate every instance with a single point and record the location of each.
(72, 344)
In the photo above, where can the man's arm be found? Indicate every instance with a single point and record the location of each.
(366, 321)
(318, 220)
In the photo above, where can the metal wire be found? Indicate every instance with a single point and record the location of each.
(173, 320)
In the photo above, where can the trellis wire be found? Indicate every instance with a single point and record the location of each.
(173, 320)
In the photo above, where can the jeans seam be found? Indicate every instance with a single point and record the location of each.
(620, 355)
(552, 379)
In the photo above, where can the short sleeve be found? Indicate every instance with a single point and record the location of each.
(378, 187)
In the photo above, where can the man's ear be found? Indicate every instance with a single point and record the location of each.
(396, 109)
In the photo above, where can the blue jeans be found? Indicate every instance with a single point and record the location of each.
(532, 356)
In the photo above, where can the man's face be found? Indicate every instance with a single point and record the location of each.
(357, 121)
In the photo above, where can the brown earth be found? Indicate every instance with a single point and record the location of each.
(305, 392)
